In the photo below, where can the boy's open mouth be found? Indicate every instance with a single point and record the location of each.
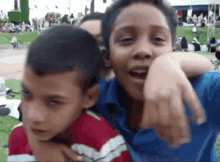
(138, 74)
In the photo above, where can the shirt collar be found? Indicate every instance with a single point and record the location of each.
(115, 95)
(112, 95)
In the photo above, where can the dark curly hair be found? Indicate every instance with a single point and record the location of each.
(115, 9)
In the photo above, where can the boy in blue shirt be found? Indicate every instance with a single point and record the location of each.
(136, 41)
(151, 86)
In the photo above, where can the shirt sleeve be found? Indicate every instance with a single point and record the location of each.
(215, 101)
(212, 98)
(13, 142)
(17, 140)
(125, 156)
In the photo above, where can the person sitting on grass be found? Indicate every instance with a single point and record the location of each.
(154, 87)
(61, 70)
(217, 54)
(14, 42)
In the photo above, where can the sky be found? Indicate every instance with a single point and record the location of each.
(75, 6)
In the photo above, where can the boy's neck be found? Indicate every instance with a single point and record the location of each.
(134, 113)
(64, 138)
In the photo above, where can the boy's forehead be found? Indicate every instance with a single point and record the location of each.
(74, 77)
(141, 11)
(92, 26)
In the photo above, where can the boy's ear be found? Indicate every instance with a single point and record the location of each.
(175, 48)
(91, 96)
(106, 58)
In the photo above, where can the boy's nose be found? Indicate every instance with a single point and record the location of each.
(142, 51)
(35, 114)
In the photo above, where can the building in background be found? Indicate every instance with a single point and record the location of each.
(19, 15)
(24, 5)
(196, 9)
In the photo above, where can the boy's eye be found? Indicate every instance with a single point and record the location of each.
(126, 39)
(55, 102)
(159, 39)
(24, 93)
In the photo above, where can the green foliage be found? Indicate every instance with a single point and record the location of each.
(15, 16)
(24, 5)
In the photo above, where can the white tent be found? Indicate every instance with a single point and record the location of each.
(188, 2)
(212, 4)
(211, 31)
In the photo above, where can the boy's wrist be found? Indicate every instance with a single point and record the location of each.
(168, 60)
(192, 64)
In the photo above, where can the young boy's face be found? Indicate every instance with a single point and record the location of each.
(93, 27)
(50, 104)
(140, 34)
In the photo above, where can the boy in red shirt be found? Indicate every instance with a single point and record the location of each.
(61, 70)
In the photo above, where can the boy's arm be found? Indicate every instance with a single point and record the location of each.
(165, 90)
(192, 64)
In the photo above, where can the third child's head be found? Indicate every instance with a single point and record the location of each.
(136, 32)
(92, 23)
(62, 66)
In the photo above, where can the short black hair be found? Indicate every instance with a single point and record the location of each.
(63, 48)
(116, 7)
(92, 16)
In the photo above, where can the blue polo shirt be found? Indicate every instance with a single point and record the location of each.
(145, 145)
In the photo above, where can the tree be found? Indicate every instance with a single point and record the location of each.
(16, 4)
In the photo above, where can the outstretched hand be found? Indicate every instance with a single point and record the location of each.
(165, 90)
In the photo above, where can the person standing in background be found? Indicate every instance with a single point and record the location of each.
(92, 23)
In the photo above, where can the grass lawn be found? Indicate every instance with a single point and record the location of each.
(6, 124)
(27, 37)
(202, 33)
(204, 52)
(23, 37)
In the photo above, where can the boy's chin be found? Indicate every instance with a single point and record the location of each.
(137, 96)
(60, 139)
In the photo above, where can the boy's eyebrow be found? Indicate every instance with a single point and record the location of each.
(161, 28)
(50, 96)
(56, 96)
(24, 86)
(127, 27)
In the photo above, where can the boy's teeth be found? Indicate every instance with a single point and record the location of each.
(139, 71)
